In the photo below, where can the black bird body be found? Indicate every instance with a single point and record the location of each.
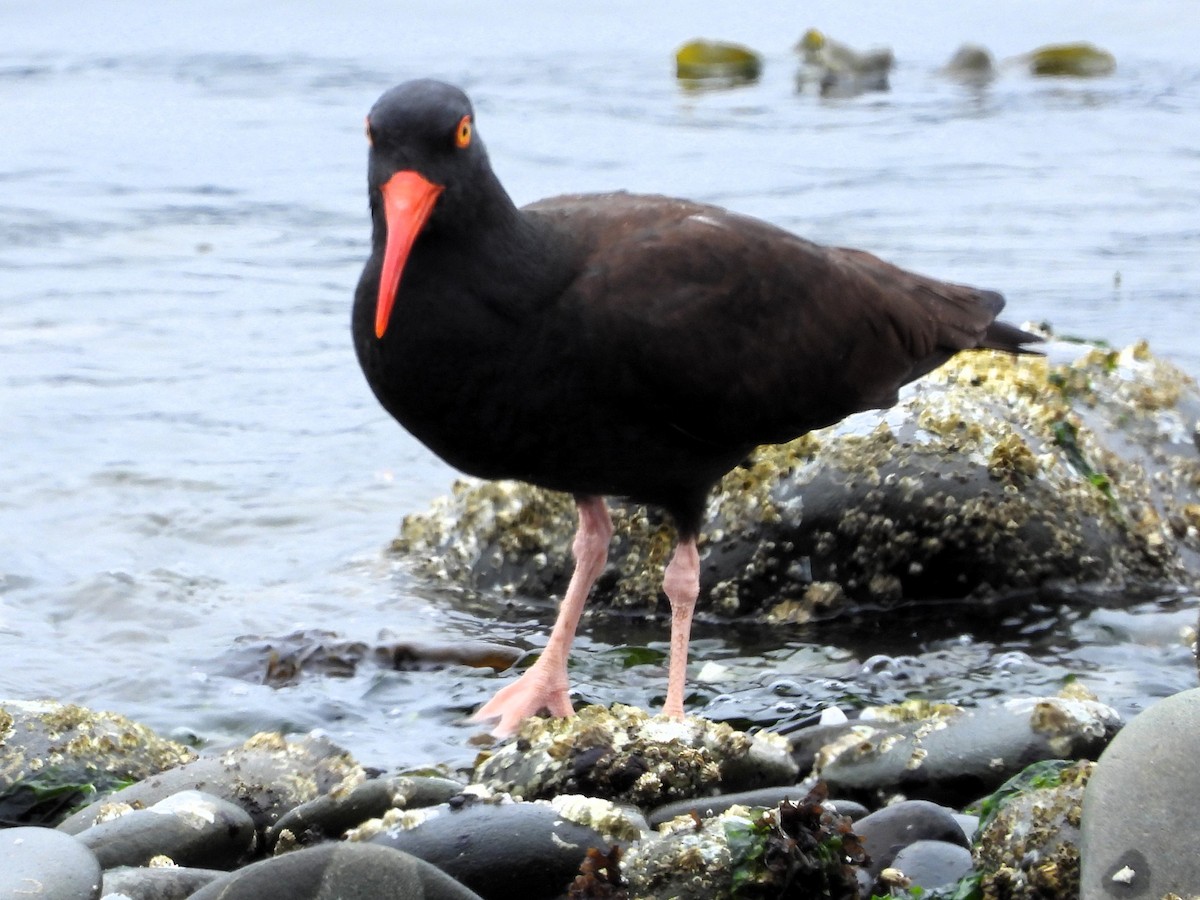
(617, 344)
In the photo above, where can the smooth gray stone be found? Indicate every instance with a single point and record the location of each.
(42, 862)
(191, 827)
(526, 851)
(331, 816)
(769, 797)
(338, 872)
(1139, 807)
(885, 832)
(933, 864)
(159, 883)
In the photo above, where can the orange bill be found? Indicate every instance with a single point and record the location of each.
(408, 200)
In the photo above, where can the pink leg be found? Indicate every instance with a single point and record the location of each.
(544, 685)
(681, 583)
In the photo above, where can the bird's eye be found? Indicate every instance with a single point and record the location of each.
(462, 134)
(367, 129)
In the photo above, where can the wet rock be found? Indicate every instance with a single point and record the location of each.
(190, 828)
(705, 807)
(54, 756)
(332, 815)
(42, 862)
(953, 755)
(993, 475)
(716, 63)
(971, 64)
(837, 70)
(746, 852)
(1028, 841)
(285, 660)
(626, 754)
(933, 864)
(338, 872)
(1079, 59)
(157, 882)
(1140, 806)
(500, 848)
(885, 832)
(266, 776)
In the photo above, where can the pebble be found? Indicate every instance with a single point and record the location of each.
(933, 864)
(1139, 808)
(338, 871)
(885, 832)
(42, 862)
(505, 849)
(157, 882)
(190, 828)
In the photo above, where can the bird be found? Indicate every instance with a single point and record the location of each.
(617, 345)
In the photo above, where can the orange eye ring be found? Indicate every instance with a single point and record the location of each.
(462, 134)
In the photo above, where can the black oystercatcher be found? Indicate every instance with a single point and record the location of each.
(616, 344)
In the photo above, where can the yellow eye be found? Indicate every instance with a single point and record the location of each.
(462, 134)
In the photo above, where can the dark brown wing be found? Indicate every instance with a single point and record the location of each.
(743, 333)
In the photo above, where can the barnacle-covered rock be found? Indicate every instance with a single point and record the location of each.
(55, 756)
(748, 852)
(626, 754)
(993, 474)
(1028, 840)
(838, 70)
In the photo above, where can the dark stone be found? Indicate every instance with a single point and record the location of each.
(1139, 807)
(266, 776)
(330, 816)
(885, 832)
(55, 756)
(954, 756)
(158, 883)
(338, 872)
(42, 862)
(770, 797)
(519, 850)
(933, 864)
(191, 828)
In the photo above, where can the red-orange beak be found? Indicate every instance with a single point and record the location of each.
(408, 200)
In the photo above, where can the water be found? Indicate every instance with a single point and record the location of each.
(190, 456)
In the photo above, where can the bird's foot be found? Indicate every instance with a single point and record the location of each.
(541, 687)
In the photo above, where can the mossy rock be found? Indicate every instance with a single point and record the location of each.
(717, 62)
(1080, 59)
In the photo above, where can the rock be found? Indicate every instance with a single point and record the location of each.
(1139, 807)
(716, 63)
(266, 776)
(331, 815)
(626, 754)
(994, 474)
(190, 828)
(971, 64)
(338, 872)
(54, 757)
(839, 71)
(949, 754)
(157, 882)
(885, 832)
(933, 864)
(748, 852)
(1028, 842)
(502, 849)
(706, 807)
(1079, 59)
(42, 862)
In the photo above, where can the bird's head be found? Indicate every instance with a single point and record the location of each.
(425, 163)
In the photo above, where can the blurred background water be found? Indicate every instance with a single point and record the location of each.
(189, 456)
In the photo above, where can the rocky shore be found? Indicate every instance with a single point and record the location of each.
(907, 801)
